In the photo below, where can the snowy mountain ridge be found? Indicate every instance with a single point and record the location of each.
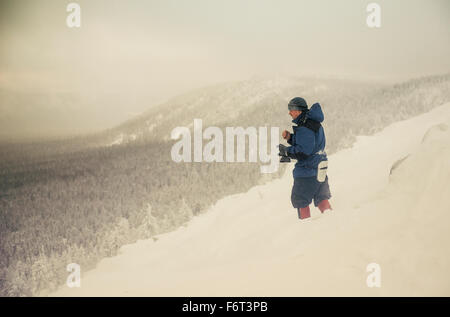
(223, 103)
(352, 108)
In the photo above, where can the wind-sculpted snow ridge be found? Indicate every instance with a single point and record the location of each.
(252, 244)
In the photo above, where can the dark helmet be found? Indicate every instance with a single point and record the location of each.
(298, 103)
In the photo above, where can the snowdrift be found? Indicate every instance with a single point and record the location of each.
(252, 244)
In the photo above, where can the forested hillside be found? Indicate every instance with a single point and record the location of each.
(80, 200)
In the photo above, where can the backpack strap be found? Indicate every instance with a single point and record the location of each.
(310, 124)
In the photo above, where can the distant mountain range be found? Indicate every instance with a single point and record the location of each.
(263, 102)
(254, 102)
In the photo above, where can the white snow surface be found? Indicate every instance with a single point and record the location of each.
(253, 244)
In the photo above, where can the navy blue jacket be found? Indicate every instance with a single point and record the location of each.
(308, 146)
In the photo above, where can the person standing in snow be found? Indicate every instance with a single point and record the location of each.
(308, 148)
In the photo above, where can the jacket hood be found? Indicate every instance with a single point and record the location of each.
(315, 113)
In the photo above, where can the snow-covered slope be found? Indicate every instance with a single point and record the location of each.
(252, 244)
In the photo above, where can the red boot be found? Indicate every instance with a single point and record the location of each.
(324, 205)
(304, 213)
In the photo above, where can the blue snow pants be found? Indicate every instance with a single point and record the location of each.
(306, 189)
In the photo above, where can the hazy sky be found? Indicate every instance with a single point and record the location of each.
(153, 50)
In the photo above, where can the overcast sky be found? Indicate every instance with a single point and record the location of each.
(161, 48)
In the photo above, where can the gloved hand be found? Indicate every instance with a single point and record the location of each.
(283, 150)
(284, 154)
